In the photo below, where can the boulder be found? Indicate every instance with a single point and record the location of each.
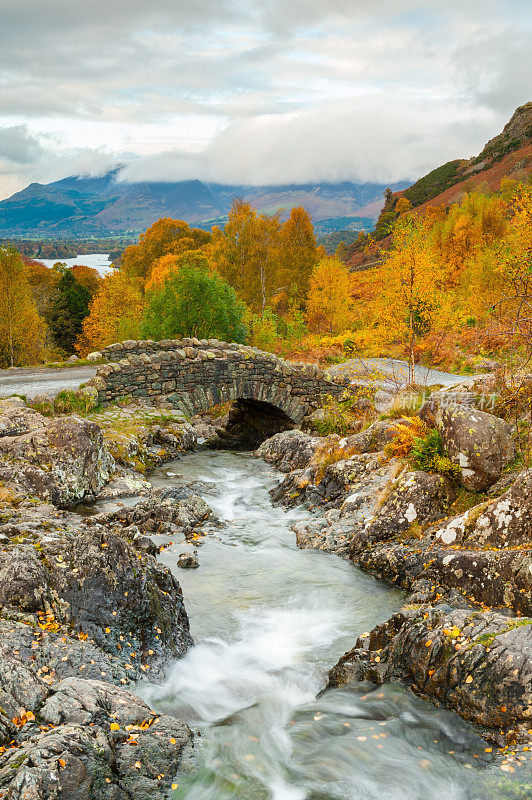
(418, 498)
(105, 744)
(479, 443)
(162, 512)
(95, 356)
(476, 663)
(290, 450)
(188, 560)
(504, 522)
(103, 587)
(61, 460)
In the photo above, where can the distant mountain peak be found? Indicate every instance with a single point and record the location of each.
(100, 205)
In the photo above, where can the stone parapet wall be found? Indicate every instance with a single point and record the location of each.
(195, 375)
(120, 350)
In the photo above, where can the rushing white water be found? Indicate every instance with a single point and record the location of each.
(268, 621)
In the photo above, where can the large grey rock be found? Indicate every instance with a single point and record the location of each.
(479, 663)
(504, 522)
(418, 498)
(100, 585)
(61, 459)
(290, 450)
(479, 443)
(106, 744)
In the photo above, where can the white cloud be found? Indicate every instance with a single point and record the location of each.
(379, 138)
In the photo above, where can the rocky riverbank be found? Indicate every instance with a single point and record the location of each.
(85, 608)
(458, 543)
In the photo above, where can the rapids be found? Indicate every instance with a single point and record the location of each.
(269, 620)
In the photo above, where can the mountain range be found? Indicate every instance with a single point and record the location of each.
(99, 206)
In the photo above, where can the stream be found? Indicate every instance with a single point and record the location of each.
(268, 621)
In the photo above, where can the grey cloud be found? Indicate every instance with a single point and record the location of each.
(496, 67)
(18, 146)
(305, 89)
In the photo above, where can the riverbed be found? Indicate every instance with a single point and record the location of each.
(269, 620)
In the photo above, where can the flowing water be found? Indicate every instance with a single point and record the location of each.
(269, 620)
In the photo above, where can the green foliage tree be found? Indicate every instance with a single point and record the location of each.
(194, 302)
(22, 331)
(69, 309)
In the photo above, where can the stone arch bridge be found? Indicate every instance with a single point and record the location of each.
(196, 375)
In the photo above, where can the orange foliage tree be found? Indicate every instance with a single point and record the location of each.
(164, 237)
(171, 263)
(115, 313)
(88, 277)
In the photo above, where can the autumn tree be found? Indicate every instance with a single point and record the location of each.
(297, 254)
(88, 277)
(164, 237)
(341, 252)
(329, 299)
(512, 257)
(194, 302)
(170, 263)
(43, 282)
(115, 313)
(411, 295)
(22, 330)
(469, 226)
(246, 253)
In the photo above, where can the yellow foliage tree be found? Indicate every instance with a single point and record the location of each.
(115, 313)
(22, 330)
(329, 304)
(471, 225)
(246, 254)
(411, 297)
(512, 257)
(298, 254)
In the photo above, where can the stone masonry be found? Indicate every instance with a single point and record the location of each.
(196, 375)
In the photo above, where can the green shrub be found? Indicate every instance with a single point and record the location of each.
(338, 418)
(67, 402)
(428, 454)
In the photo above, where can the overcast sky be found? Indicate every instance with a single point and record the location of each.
(255, 91)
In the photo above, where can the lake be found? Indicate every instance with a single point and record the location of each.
(98, 261)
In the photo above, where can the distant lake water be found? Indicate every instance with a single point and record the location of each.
(98, 261)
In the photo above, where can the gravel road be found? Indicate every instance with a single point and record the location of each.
(393, 373)
(30, 381)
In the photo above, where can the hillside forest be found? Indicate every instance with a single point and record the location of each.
(453, 288)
